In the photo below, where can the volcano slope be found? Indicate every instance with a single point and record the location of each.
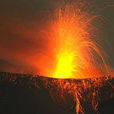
(26, 94)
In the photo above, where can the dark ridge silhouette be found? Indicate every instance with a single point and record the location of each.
(26, 94)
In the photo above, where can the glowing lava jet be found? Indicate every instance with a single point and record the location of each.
(77, 55)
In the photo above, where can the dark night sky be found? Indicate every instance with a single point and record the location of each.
(20, 23)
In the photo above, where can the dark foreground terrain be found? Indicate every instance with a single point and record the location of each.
(20, 95)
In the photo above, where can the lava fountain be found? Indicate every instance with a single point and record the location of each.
(72, 39)
(77, 54)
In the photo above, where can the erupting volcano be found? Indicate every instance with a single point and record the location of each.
(74, 63)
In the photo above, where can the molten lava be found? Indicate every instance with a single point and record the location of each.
(76, 53)
(65, 65)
